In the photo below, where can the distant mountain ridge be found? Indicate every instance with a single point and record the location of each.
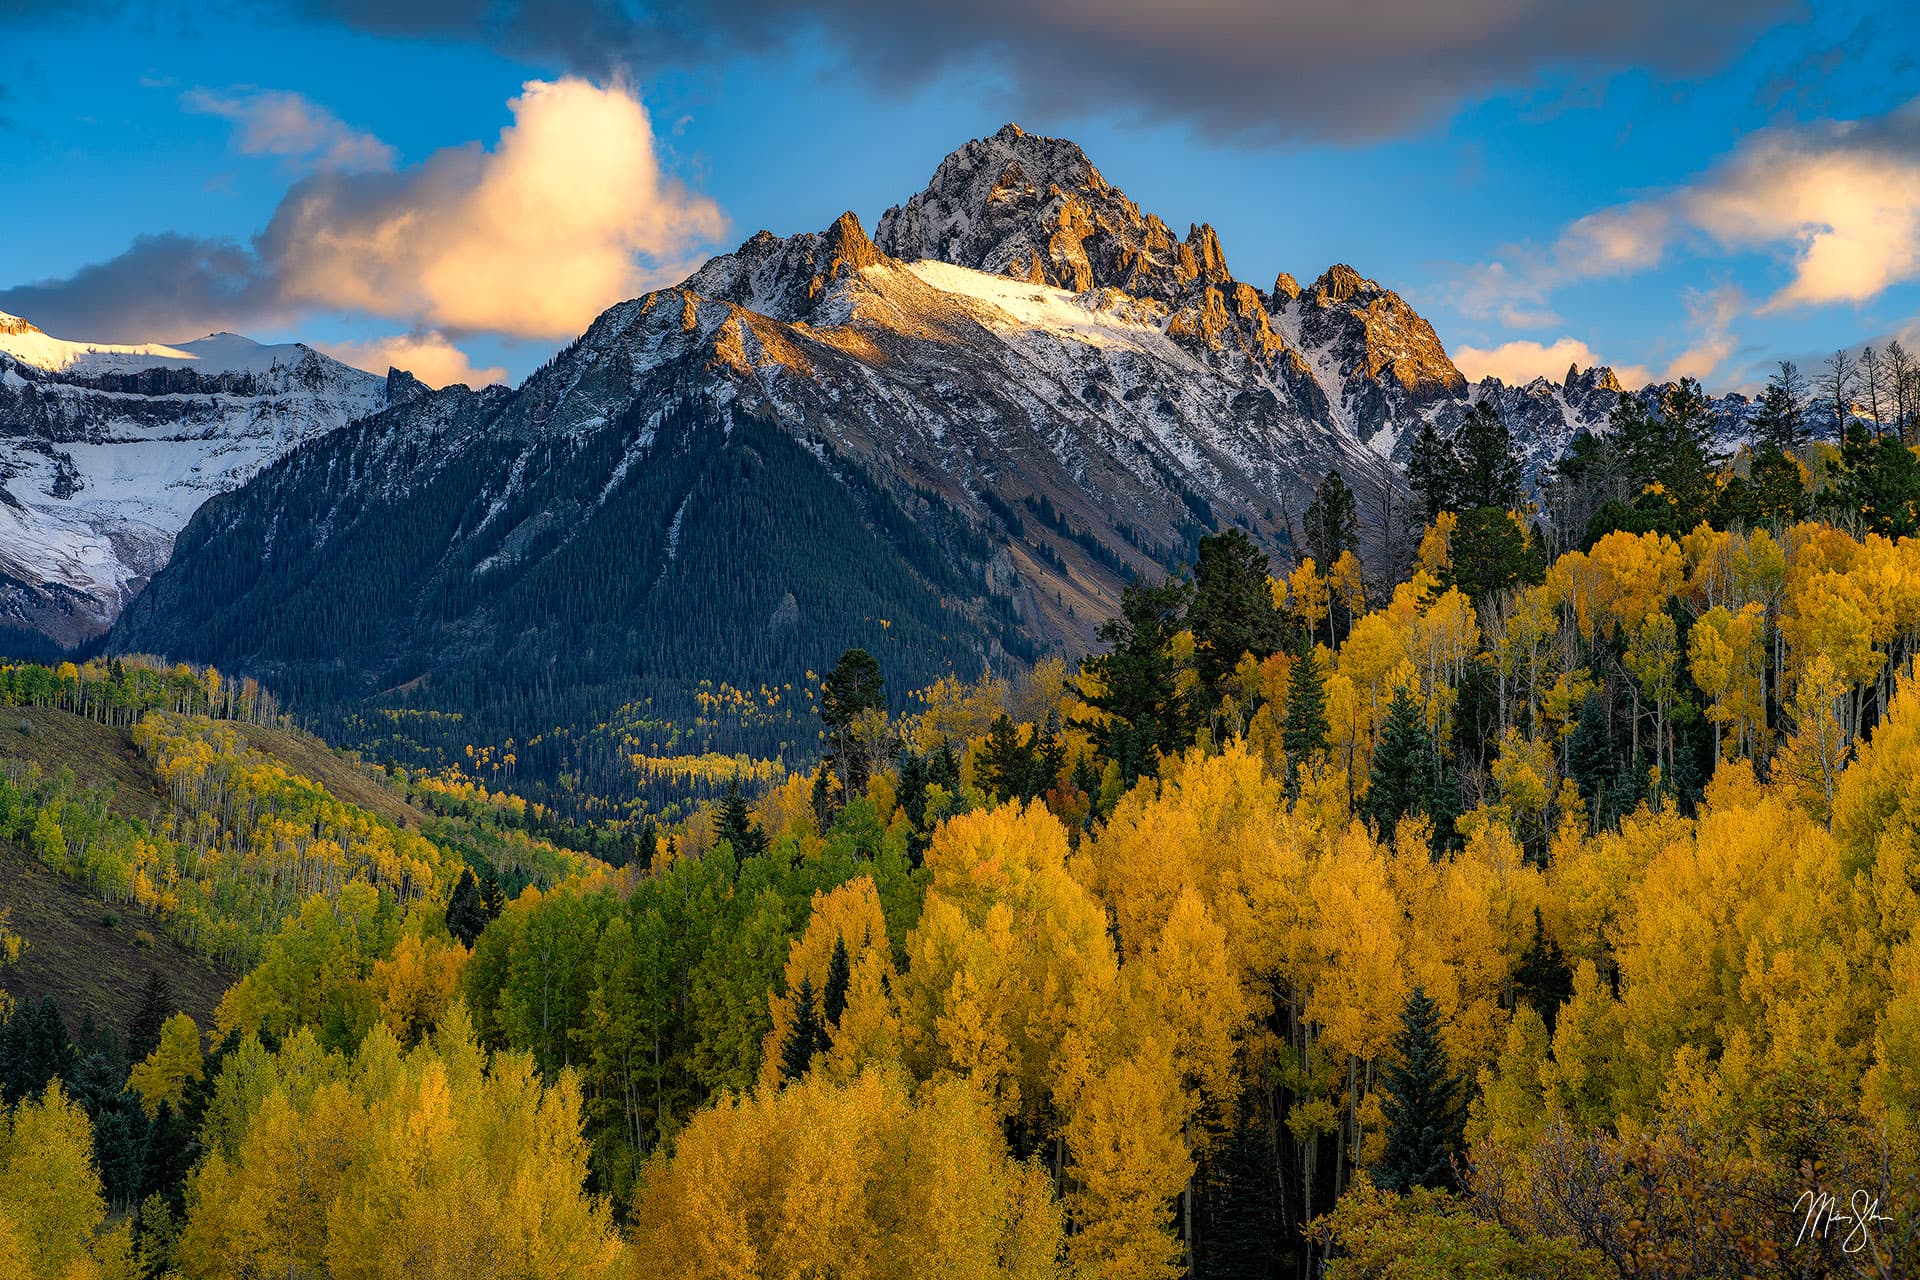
(106, 450)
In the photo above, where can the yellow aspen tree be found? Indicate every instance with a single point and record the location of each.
(1128, 1164)
(174, 1064)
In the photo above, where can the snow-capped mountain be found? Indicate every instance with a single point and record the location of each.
(952, 442)
(106, 451)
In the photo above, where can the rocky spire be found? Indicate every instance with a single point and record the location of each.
(1036, 209)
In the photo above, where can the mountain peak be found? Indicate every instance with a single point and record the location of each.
(1035, 208)
(1340, 282)
(14, 324)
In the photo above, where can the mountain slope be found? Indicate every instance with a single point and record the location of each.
(952, 443)
(106, 451)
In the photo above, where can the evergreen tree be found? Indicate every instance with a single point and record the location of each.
(1232, 611)
(1304, 732)
(1424, 1104)
(1433, 473)
(734, 823)
(150, 1013)
(805, 1038)
(492, 896)
(839, 975)
(1781, 421)
(1544, 979)
(1592, 761)
(853, 688)
(913, 786)
(466, 912)
(1491, 551)
(34, 1049)
(1139, 683)
(1005, 764)
(1487, 471)
(1403, 778)
(1049, 758)
(1332, 522)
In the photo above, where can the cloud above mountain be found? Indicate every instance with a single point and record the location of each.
(278, 123)
(1258, 70)
(1521, 361)
(1838, 201)
(569, 212)
(429, 357)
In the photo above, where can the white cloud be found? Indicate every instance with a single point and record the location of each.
(271, 122)
(429, 357)
(568, 214)
(1519, 362)
(1839, 200)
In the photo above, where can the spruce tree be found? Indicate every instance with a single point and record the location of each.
(839, 976)
(1402, 780)
(1424, 1104)
(806, 1036)
(1005, 763)
(734, 823)
(1332, 521)
(1487, 470)
(466, 912)
(1138, 680)
(1782, 418)
(155, 1006)
(1232, 611)
(1305, 730)
(1544, 979)
(1433, 473)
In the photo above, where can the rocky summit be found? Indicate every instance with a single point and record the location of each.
(1018, 394)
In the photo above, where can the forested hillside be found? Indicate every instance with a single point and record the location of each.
(1543, 915)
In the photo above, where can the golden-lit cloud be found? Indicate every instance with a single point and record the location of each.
(1838, 201)
(429, 357)
(568, 213)
(271, 122)
(1516, 363)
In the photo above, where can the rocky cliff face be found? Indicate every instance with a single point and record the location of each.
(106, 451)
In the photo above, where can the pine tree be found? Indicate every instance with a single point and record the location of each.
(466, 912)
(839, 975)
(1138, 680)
(1005, 763)
(1433, 473)
(155, 1006)
(852, 689)
(1402, 780)
(1423, 1102)
(35, 1050)
(1232, 611)
(1487, 470)
(806, 1036)
(1332, 522)
(1305, 730)
(1781, 422)
(734, 823)
(1544, 979)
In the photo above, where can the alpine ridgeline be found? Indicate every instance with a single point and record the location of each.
(106, 451)
(951, 442)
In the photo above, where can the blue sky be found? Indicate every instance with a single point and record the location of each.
(1702, 193)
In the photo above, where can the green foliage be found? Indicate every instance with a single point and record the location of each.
(1424, 1102)
(1232, 611)
(806, 1037)
(1304, 733)
(1406, 776)
(1147, 715)
(1331, 521)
